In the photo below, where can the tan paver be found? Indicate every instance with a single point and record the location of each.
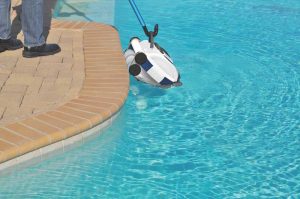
(49, 99)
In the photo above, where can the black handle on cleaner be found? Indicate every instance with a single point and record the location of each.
(149, 34)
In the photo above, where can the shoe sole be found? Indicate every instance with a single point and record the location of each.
(39, 54)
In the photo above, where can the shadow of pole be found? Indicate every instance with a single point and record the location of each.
(76, 12)
(16, 23)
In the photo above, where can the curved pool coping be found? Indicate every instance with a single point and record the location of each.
(101, 97)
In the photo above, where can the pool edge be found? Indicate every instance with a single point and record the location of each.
(61, 146)
(92, 113)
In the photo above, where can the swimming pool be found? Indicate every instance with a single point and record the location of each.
(231, 131)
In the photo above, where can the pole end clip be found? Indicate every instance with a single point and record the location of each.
(151, 34)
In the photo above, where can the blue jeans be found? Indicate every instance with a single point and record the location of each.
(31, 18)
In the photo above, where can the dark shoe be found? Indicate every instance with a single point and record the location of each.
(10, 44)
(43, 50)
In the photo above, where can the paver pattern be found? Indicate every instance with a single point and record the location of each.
(33, 86)
(49, 99)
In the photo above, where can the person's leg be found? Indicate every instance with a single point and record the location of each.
(33, 25)
(32, 22)
(6, 42)
(5, 24)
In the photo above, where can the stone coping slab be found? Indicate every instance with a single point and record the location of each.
(93, 88)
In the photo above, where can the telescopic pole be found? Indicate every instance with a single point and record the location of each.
(150, 34)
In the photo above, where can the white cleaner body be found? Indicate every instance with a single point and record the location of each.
(151, 65)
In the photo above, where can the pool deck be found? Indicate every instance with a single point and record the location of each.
(49, 100)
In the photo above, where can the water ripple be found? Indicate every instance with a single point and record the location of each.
(231, 131)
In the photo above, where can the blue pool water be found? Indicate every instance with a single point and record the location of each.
(231, 131)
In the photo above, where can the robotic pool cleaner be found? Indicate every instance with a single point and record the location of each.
(147, 61)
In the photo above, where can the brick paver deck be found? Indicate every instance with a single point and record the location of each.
(32, 86)
(49, 99)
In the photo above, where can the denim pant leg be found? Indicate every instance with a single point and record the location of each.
(5, 24)
(32, 22)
